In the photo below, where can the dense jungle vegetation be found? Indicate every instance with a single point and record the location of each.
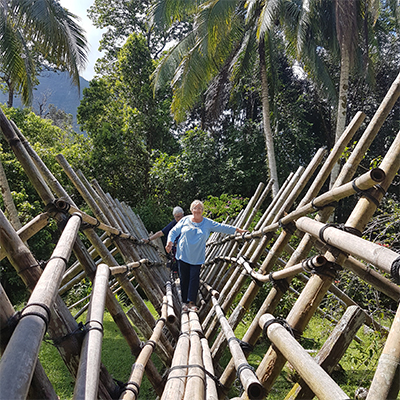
(188, 94)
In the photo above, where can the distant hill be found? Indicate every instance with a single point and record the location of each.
(55, 88)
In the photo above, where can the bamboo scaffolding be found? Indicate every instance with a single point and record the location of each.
(324, 387)
(87, 379)
(131, 390)
(305, 245)
(15, 381)
(70, 348)
(250, 382)
(317, 286)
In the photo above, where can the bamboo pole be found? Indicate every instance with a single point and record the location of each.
(307, 265)
(87, 380)
(171, 317)
(176, 380)
(250, 382)
(131, 390)
(380, 256)
(30, 229)
(15, 381)
(324, 387)
(388, 363)
(41, 387)
(195, 384)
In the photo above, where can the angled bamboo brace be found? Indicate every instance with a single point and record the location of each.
(35, 318)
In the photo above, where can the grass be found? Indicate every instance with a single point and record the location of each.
(356, 367)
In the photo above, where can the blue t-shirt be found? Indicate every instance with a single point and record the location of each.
(191, 246)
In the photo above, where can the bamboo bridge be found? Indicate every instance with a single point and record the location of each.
(191, 344)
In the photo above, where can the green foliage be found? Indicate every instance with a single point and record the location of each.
(220, 208)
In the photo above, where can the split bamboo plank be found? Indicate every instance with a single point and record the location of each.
(324, 387)
(87, 380)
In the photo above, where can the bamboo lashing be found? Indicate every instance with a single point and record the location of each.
(121, 269)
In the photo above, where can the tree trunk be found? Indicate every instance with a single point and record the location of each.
(342, 105)
(269, 141)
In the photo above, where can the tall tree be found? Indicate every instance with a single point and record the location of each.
(224, 42)
(34, 32)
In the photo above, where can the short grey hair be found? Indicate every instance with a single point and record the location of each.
(197, 203)
(177, 211)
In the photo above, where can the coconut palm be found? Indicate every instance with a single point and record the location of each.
(34, 32)
(225, 40)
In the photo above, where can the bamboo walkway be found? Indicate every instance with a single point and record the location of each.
(190, 345)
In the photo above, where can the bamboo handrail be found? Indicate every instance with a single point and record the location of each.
(249, 380)
(14, 380)
(307, 265)
(87, 379)
(380, 256)
(131, 390)
(121, 269)
(324, 387)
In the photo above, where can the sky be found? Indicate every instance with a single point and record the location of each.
(93, 35)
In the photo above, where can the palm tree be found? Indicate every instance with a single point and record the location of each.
(224, 41)
(34, 32)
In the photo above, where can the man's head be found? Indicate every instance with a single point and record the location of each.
(177, 213)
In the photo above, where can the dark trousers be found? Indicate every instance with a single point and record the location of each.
(189, 275)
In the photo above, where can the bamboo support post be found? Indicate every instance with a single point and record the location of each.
(388, 363)
(333, 349)
(14, 380)
(324, 387)
(87, 380)
(250, 382)
(131, 390)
